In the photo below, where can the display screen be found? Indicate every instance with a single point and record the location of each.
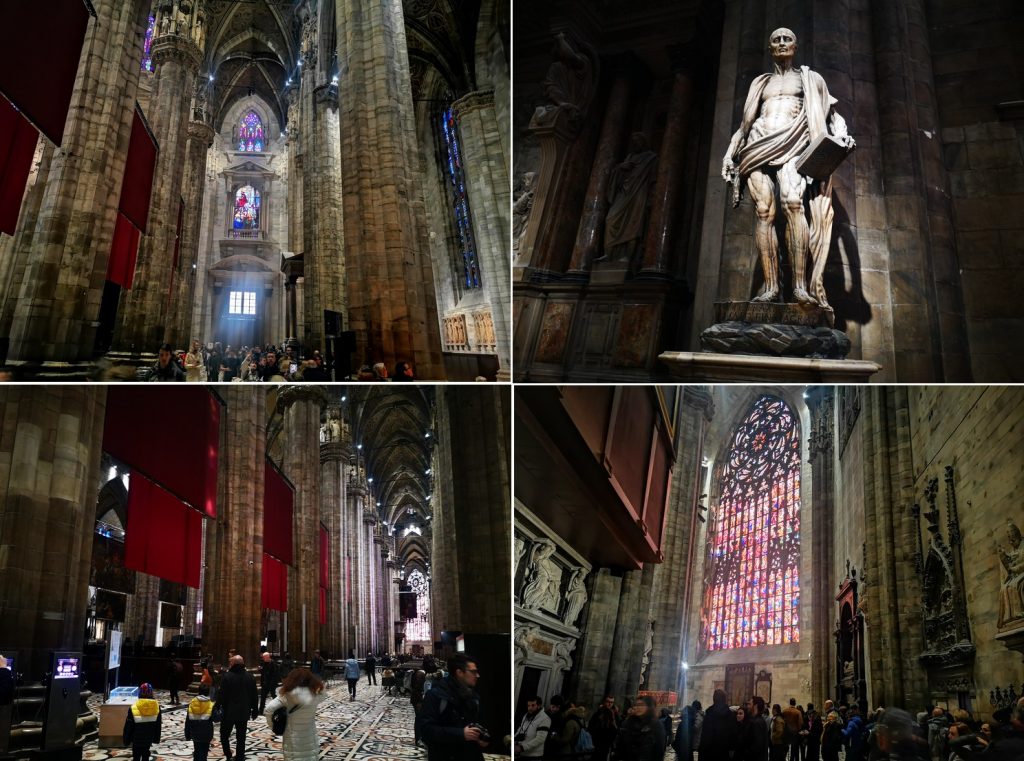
(67, 668)
(10, 664)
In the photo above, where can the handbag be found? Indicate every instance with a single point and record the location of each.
(217, 715)
(279, 719)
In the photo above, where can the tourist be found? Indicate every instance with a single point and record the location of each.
(174, 670)
(938, 729)
(855, 736)
(717, 733)
(778, 734)
(166, 369)
(416, 685)
(831, 733)
(366, 374)
(403, 372)
(239, 700)
(757, 738)
(451, 709)
(316, 665)
(642, 736)
(194, 363)
(371, 669)
(351, 674)
(604, 727)
(199, 723)
(565, 732)
(380, 372)
(813, 729)
(213, 362)
(300, 693)
(533, 731)
(794, 718)
(557, 705)
(142, 725)
(269, 679)
(229, 366)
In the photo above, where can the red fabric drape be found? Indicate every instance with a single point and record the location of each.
(275, 584)
(278, 497)
(123, 252)
(164, 536)
(137, 183)
(40, 49)
(323, 605)
(325, 577)
(17, 146)
(171, 434)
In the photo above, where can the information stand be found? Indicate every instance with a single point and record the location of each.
(113, 714)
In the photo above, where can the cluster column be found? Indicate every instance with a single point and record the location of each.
(334, 468)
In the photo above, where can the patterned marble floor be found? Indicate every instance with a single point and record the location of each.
(376, 727)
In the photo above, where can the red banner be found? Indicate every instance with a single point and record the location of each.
(123, 253)
(275, 584)
(40, 50)
(17, 147)
(164, 537)
(278, 496)
(137, 184)
(323, 605)
(169, 433)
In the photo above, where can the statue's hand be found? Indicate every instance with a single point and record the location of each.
(848, 142)
(728, 169)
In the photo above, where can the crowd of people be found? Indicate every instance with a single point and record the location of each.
(445, 703)
(272, 364)
(755, 732)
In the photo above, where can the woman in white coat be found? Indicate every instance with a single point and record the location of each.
(300, 693)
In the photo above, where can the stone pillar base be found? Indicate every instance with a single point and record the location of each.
(708, 367)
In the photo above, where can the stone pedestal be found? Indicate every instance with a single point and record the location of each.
(1013, 639)
(772, 329)
(708, 367)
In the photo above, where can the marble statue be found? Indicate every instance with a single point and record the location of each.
(629, 185)
(785, 112)
(520, 551)
(568, 86)
(543, 577)
(1011, 596)
(521, 210)
(575, 596)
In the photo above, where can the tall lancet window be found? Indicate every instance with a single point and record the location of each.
(465, 264)
(752, 584)
(250, 133)
(147, 46)
(418, 629)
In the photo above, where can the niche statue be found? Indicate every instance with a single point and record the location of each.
(1011, 596)
(628, 187)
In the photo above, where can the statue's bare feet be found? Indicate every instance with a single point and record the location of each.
(803, 297)
(767, 295)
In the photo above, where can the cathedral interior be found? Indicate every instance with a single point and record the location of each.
(923, 259)
(330, 173)
(286, 520)
(821, 542)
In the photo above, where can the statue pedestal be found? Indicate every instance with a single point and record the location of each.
(772, 329)
(1013, 639)
(608, 273)
(773, 312)
(708, 367)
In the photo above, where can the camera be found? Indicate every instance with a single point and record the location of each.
(484, 734)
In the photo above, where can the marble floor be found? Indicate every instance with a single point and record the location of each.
(376, 727)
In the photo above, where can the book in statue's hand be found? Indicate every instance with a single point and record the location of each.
(822, 157)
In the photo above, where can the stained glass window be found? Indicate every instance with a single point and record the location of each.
(250, 133)
(247, 208)
(468, 269)
(752, 585)
(242, 302)
(418, 629)
(147, 55)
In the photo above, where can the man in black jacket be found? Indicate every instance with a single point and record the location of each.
(719, 730)
(449, 714)
(239, 699)
(269, 679)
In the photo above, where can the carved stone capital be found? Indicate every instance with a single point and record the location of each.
(289, 395)
(474, 101)
(326, 95)
(202, 133)
(338, 451)
(700, 398)
(174, 48)
(369, 518)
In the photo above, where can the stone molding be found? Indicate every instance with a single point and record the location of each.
(202, 132)
(474, 101)
(289, 395)
(334, 451)
(177, 49)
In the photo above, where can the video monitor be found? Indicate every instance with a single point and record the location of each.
(66, 668)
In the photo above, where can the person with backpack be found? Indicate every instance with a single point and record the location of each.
(299, 695)
(856, 735)
(142, 725)
(199, 724)
(352, 671)
(777, 738)
(938, 734)
(642, 737)
(564, 740)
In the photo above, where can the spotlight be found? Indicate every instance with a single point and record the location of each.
(426, 472)
(378, 504)
(344, 398)
(369, 480)
(359, 446)
(686, 666)
(211, 77)
(426, 435)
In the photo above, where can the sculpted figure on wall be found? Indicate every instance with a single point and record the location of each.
(575, 596)
(785, 112)
(521, 210)
(629, 185)
(1011, 596)
(568, 86)
(543, 577)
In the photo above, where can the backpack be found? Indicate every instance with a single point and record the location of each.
(584, 742)
(279, 720)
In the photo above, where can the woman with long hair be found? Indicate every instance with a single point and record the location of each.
(299, 694)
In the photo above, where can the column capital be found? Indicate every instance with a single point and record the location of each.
(201, 132)
(179, 49)
(334, 450)
(699, 397)
(289, 395)
(326, 94)
(473, 101)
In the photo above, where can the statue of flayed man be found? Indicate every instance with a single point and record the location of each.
(784, 113)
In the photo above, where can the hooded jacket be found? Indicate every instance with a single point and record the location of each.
(301, 742)
(142, 725)
(447, 709)
(199, 720)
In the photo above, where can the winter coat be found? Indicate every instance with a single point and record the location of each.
(534, 731)
(603, 728)
(301, 742)
(198, 720)
(683, 740)
(778, 730)
(698, 725)
(238, 695)
(142, 725)
(831, 732)
(416, 684)
(172, 372)
(938, 731)
(269, 676)
(447, 709)
(717, 734)
(857, 735)
(6, 687)
(352, 669)
(317, 665)
(563, 742)
(757, 741)
(794, 719)
(641, 738)
(371, 664)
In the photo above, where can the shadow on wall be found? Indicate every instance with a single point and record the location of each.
(850, 306)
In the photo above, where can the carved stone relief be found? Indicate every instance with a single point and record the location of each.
(543, 578)
(1011, 594)
(849, 409)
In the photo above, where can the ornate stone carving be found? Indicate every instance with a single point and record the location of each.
(521, 209)
(1011, 594)
(629, 186)
(331, 429)
(821, 405)
(575, 597)
(520, 551)
(648, 649)
(568, 86)
(563, 654)
(543, 577)
(309, 42)
(786, 111)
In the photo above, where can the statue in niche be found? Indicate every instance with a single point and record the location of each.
(520, 551)
(628, 188)
(543, 578)
(330, 431)
(1011, 596)
(575, 597)
(568, 86)
(521, 210)
(786, 112)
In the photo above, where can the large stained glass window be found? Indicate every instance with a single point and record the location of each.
(466, 265)
(250, 133)
(147, 54)
(247, 208)
(418, 629)
(752, 587)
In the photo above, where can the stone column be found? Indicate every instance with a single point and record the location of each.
(179, 331)
(630, 624)
(352, 522)
(595, 205)
(667, 206)
(487, 184)
(322, 225)
(289, 313)
(821, 450)
(393, 612)
(50, 456)
(392, 304)
(64, 235)
(301, 463)
(366, 594)
(233, 578)
(141, 609)
(334, 456)
(383, 592)
(445, 582)
(143, 312)
(669, 608)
